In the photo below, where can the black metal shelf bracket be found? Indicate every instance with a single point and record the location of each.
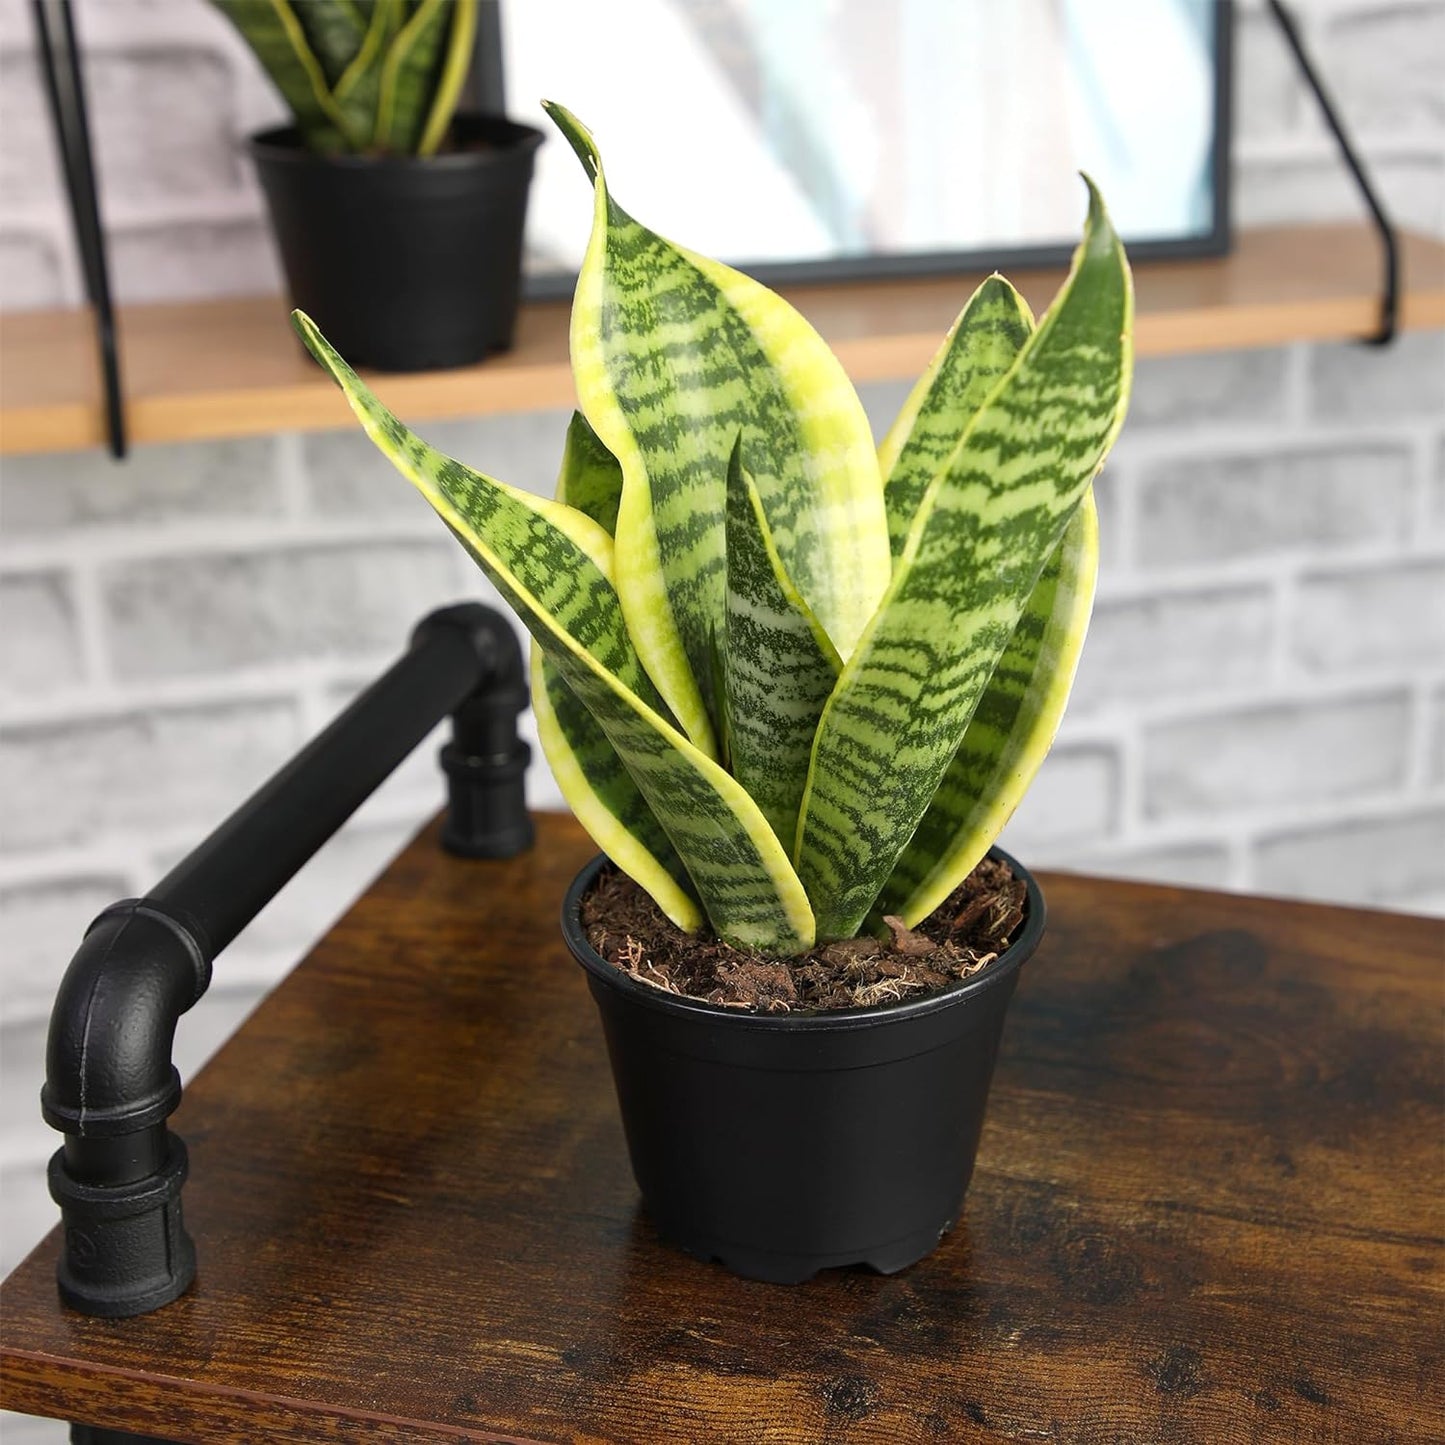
(1384, 226)
(110, 1084)
(65, 89)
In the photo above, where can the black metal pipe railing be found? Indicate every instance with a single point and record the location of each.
(110, 1084)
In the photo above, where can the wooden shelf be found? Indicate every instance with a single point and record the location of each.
(233, 368)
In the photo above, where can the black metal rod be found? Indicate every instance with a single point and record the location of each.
(1389, 240)
(65, 88)
(110, 1084)
(219, 887)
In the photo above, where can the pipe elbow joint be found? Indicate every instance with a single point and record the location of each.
(109, 1088)
(108, 1069)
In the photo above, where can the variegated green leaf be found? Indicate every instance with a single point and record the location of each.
(456, 63)
(553, 566)
(334, 30)
(411, 72)
(981, 346)
(603, 796)
(1010, 732)
(986, 526)
(778, 664)
(271, 28)
(591, 478)
(596, 785)
(674, 357)
(359, 88)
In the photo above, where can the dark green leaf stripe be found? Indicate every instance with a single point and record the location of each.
(1010, 732)
(984, 530)
(676, 356)
(778, 663)
(553, 567)
(983, 343)
(596, 785)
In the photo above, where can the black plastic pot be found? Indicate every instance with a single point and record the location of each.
(782, 1144)
(406, 263)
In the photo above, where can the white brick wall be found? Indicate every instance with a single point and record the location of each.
(1261, 704)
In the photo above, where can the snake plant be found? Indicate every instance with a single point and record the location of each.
(792, 684)
(367, 76)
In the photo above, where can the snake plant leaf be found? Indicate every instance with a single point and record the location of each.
(674, 356)
(420, 79)
(778, 665)
(987, 524)
(602, 795)
(456, 64)
(334, 31)
(596, 785)
(271, 28)
(979, 348)
(591, 478)
(359, 89)
(1010, 732)
(553, 566)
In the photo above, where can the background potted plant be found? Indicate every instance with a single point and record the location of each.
(399, 221)
(794, 688)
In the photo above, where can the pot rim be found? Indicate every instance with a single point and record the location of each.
(818, 1021)
(282, 144)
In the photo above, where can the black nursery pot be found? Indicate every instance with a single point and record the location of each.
(782, 1144)
(407, 263)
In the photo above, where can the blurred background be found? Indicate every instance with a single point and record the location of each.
(1261, 704)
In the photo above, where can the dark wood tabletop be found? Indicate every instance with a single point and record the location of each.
(1208, 1205)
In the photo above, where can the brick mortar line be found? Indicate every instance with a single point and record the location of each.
(280, 681)
(1248, 827)
(1126, 577)
(1151, 443)
(1296, 692)
(1295, 386)
(1284, 613)
(288, 684)
(217, 537)
(1245, 574)
(1420, 736)
(1184, 578)
(89, 613)
(1423, 521)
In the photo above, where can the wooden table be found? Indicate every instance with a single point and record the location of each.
(1208, 1205)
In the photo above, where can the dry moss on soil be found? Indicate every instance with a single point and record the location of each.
(962, 936)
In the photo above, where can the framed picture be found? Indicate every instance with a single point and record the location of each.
(827, 139)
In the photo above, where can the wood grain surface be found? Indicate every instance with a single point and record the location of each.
(198, 370)
(1208, 1205)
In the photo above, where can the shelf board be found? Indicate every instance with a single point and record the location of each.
(232, 368)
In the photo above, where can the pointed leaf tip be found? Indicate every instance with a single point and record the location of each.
(1099, 232)
(577, 136)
